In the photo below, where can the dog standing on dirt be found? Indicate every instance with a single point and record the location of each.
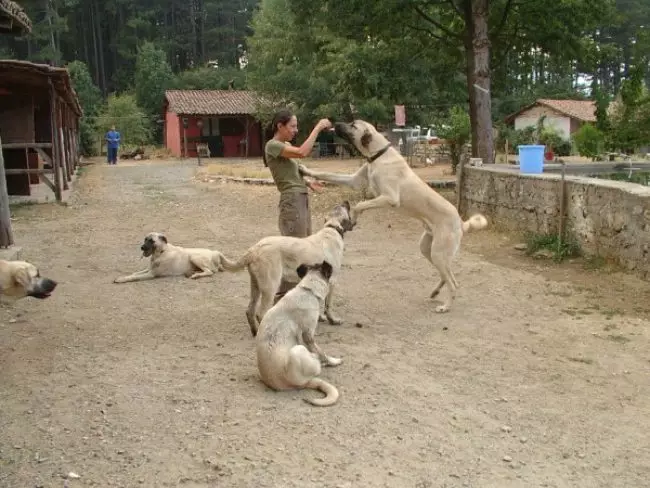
(19, 279)
(170, 260)
(395, 185)
(275, 258)
(287, 356)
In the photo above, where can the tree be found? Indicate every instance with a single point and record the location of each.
(476, 32)
(152, 77)
(90, 101)
(123, 112)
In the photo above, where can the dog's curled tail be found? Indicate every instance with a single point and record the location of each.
(233, 266)
(331, 393)
(475, 222)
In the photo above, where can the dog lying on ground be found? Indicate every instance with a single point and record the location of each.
(19, 279)
(170, 260)
(287, 356)
(275, 258)
(395, 185)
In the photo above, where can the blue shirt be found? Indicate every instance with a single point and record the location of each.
(113, 139)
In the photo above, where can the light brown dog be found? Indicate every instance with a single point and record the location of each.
(169, 260)
(275, 258)
(394, 184)
(19, 279)
(287, 356)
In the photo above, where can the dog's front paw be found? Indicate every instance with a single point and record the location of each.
(333, 319)
(442, 308)
(304, 170)
(331, 361)
(118, 280)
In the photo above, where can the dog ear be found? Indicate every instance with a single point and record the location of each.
(366, 138)
(346, 204)
(302, 271)
(163, 238)
(326, 270)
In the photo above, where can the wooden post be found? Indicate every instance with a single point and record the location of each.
(56, 160)
(247, 141)
(459, 182)
(6, 233)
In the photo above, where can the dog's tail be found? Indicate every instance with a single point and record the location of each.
(234, 266)
(331, 393)
(475, 222)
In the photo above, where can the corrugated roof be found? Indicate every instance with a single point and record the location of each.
(212, 102)
(19, 22)
(584, 110)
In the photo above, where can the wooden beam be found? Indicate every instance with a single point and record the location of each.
(56, 161)
(6, 233)
(27, 145)
(27, 171)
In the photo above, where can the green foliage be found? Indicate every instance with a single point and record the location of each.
(207, 78)
(134, 125)
(90, 100)
(456, 130)
(152, 77)
(560, 249)
(589, 141)
(630, 120)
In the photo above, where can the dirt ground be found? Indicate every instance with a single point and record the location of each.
(538, 376)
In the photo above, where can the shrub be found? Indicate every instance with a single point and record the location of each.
(589, 141)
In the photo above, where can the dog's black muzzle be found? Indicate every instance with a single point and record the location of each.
(147, 249)
(43, 288)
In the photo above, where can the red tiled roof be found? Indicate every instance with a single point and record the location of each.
(584, 110)
(212, 102)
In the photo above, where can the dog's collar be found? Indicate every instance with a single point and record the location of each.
(337, 228)
(380, 153)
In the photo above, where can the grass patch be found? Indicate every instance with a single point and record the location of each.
(558, 249)
(236, 170)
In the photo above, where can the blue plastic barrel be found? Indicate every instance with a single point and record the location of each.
(531, 159)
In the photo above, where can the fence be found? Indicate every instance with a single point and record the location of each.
(417, 153)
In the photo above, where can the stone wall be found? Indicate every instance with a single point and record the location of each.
(608, 218)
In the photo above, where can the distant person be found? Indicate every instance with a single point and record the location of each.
(112, 145)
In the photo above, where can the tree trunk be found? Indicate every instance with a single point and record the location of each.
(100, 46)
(93, 24)
(477, 46)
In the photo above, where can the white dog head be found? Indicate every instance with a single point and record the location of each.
(362, 135)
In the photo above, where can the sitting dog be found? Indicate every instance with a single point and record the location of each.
(394, 184)
(19, 279)
(170, 260)
(276, 258)
(287, 356)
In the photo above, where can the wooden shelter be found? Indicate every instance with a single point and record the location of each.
(13, 21)
(39, 125)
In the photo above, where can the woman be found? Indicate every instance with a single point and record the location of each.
(279, 155)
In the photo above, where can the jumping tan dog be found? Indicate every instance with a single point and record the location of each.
(169, 260)
(277, 257)
(395, 185)
(19, 279)
(287, 356)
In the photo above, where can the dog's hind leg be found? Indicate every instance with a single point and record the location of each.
(302, 371)
(251, 314)
(425, 248)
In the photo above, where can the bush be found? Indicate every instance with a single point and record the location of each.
(123, 112)
(589, 141)
(456, 130)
